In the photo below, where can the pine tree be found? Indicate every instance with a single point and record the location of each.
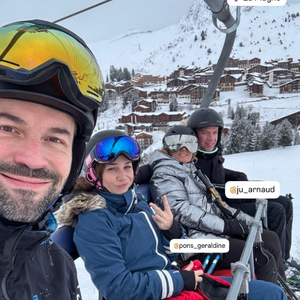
(251, 138)
(297, 138)
(203, 35)
(126, 74)
(130, 97)
(241, 111)
(112, 73)
(134, 104)
(173, 103)
(237, 139)
(119, 75)
(284, 134)
(258, 141)
(230, 112)
(104, 104)
(253, 118)
(267, 137)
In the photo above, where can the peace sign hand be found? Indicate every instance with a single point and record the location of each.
(163, 218)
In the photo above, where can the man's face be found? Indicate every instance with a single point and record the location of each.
(208, 137)
(35, 157)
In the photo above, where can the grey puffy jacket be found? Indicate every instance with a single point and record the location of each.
(186, 195)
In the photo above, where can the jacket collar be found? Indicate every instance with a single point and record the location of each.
(122, 203)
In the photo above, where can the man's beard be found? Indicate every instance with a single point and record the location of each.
(23, 207)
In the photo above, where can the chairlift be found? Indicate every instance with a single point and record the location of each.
(242, 271)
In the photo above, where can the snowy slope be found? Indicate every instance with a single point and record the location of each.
(267, 33)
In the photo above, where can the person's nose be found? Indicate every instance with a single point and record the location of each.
(31, 153)
(210, 136)
(121, 175)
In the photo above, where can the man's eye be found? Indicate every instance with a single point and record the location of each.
(55, 140)
(7, 128)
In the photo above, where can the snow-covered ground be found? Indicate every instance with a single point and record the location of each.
(282, 165)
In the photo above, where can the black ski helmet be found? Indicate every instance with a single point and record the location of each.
(206, 117)
(178, 130)
(47, 64)
(88, 168)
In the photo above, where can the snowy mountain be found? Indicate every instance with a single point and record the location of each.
(264, 32)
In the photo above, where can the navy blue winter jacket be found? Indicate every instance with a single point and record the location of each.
(123, 249)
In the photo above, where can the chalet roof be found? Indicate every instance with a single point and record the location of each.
(187, 87)
(130, 88)
(191, 77)
(260, 65)
(207, 73)
(232, 75)
(168, 89)
(297, 79)
(204, 86)
(236, 76)
(140, 89)
(279, 69)
(138, 124)
(142, 106)
(297, 111)
(257, 82)
(257, 79)
(144, 132)
(146, 100)
(254, 74)
(174, 113)
(233, 69)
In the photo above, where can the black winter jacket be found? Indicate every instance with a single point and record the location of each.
(212, 166)
(37, 270)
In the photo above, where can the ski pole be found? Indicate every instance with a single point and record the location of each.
(219, 202)
(206, 261)
(213, 264)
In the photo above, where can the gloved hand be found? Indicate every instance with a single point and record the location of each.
(235, 227)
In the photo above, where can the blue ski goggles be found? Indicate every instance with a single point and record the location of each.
(176, 142)
(111, 148)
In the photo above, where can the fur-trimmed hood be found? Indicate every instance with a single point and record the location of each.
(79, 202)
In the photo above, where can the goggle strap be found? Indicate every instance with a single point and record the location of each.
(91, 178)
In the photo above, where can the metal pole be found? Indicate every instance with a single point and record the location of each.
(240, 269)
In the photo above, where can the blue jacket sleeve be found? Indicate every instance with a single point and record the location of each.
(100, 248)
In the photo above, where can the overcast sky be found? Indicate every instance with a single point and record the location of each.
(105, 21)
